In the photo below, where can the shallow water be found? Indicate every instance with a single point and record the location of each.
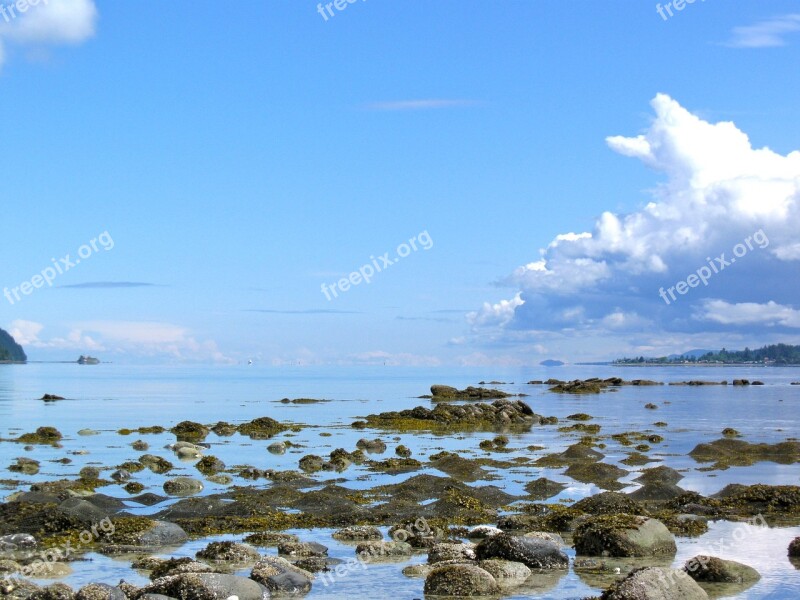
(109, 397)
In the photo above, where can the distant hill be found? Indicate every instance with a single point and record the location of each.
(10, 350)
(691, 354)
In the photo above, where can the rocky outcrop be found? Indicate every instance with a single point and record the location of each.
(623, 536)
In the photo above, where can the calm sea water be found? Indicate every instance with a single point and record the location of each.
(108, 397)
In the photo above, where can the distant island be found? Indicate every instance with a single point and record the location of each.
(772, 355)
(10, 350)
(552, 363)
(88, 360)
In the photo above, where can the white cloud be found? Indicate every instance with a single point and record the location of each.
(767, 33)
(136, 338)
(49, 23)
(495, 314)
(718, 191)
(768, 314)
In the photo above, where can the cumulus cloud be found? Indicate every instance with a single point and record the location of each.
(48, 23)
(718, 192)
(495, 314)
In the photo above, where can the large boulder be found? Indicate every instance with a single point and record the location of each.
(281, 576)
(656, 583)
(100, 591)
(460, 581)
(711, 569)
(358, 533)
(623, 536)
(794, 548)
(534, 553)
(207, 586)
(183, 486)
(451, 551)
(384, 549)
(506, 573)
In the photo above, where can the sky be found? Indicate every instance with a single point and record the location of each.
(408, 183)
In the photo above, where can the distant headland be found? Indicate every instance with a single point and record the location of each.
(10, 350)
(775, 355)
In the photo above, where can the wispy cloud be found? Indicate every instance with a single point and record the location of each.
(768, 33)
(309, 311)
(429, 104)
(433, 319)
(100, 285)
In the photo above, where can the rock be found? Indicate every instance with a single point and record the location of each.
(121, 475)
(88, 432)
(623, 536)
(228, 552)
(376, 446)
(183, 486)
(450, 551)
(384, 549)
(302, 549)
(532, 552)
(133, 487)
(794, 548)
(543, 488)
(460, 581)
(224, 429)
(26, 466)
(262, 428)
(313, 564)
(268, 539)
(277, 448)
(207, 586)
(100, 591)
(311, 463)
(162, 533)
(402, 451)
(17, 541)
(140, 446)
(51, 397)
(358, 533)
(210, 465)
(56, 591)
(506, 573)
(483, 531)
(656, 583)
(420, 570)
(500, 414)
(43, 435)
(711, 569)
(89, 473)
(601, 474)
(659, 475)
(279, 575)
(190, 431)
(608, 503)
(155, 463)
(446, 392)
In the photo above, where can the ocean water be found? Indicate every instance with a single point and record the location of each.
(108, 397)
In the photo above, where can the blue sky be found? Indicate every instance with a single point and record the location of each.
(241, 155)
